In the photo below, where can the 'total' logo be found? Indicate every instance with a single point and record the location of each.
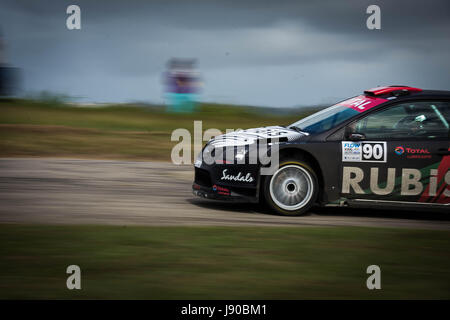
(399, 150)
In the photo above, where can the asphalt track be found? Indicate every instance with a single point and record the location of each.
(67, 191)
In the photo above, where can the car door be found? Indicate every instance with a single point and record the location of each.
(399, 153)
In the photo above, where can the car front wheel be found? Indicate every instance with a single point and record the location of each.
(292, 189)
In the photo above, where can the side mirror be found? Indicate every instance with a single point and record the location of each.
(356, 137)
(353, 136)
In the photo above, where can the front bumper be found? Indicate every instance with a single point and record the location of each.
(209, 185)
(212, 193)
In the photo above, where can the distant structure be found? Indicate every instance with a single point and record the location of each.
(182, 84)
(9, 76)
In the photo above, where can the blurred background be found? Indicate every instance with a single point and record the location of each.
(216, 61)
(261, 53)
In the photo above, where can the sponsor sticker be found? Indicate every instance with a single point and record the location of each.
(221, 190)
(362, 103)
(351, 151)
(373, 151)
(400, 181)
(399, 150)
(413, 153)
(240, 177)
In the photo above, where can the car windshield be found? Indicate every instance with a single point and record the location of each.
(324, 120)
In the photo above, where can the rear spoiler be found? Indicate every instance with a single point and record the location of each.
(393, 90)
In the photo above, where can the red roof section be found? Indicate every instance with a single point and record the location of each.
(384, 90)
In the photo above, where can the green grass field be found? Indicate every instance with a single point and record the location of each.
(222, 262)
(31, 128)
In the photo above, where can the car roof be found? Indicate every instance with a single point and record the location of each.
(433, 93)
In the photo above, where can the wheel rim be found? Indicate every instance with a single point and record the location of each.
(291, 187)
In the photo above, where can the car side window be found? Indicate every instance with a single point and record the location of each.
(425, 120)
(444, 109)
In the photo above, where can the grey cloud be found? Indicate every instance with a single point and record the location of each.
(121, 50)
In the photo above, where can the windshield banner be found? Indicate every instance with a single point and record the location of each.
(362, 103)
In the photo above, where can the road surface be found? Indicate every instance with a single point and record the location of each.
(66, 191)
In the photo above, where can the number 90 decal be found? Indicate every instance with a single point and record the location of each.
(373, 151)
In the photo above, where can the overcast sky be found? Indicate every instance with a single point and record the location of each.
(271, 53)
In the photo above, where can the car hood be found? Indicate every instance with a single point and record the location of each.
(250, 136)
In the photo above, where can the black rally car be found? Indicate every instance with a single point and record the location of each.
(386, 147)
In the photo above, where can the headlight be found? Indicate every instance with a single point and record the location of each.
(198, 161)
(211, 154)
(205, 153)
(240, 154)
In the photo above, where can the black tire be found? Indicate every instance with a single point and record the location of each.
(283, 190)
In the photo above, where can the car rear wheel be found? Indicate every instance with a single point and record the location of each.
(292, 189)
